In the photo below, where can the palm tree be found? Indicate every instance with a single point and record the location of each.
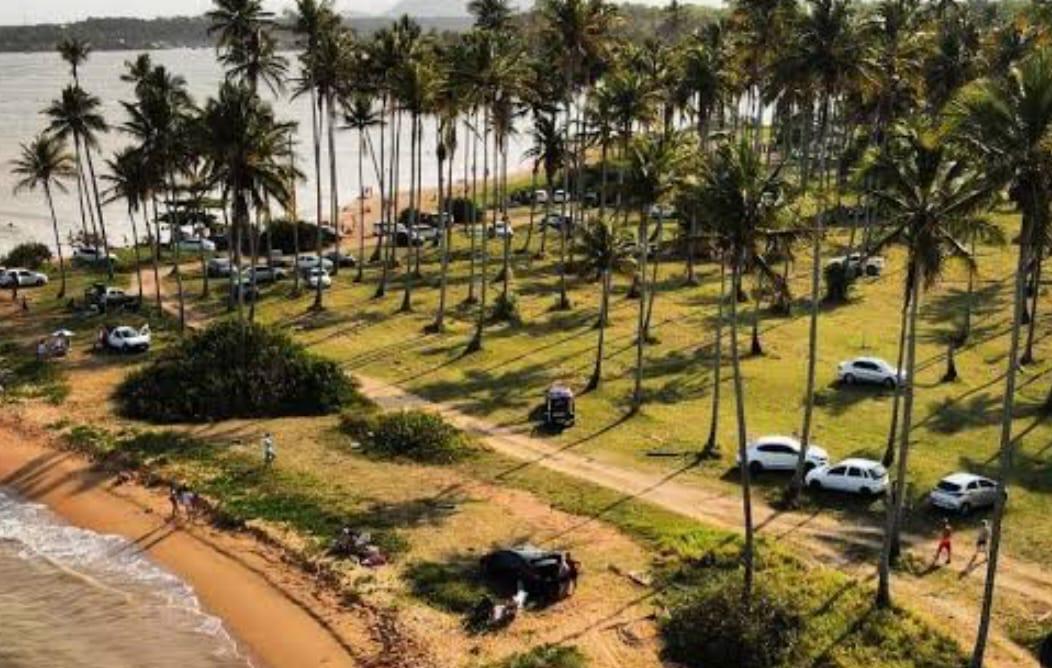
(928, 198)
(130, 180)
(76, 114)
(548, 152)
(75, 52)
(359, 114)
(44, 163)
(605, 250)
(743, 201)
(1007, 122)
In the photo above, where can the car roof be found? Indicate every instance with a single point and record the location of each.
(875, 360)
(858, 461)
(776, 438)
(961, 478)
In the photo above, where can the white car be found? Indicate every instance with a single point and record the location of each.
(869, 370)
(663, 211)
(560, 197)
(964, 492)
(219, 266)
(780, 453)
(195, 245)
(556, 221)
(859, 265)
(22, 278)
(540, 196)
(501, 229)
(128, 339)
(307, 263)
(91, 255)
(314, 276)
(854, 476)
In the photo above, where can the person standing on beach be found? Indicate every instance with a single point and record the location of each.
(270, 453)
(983, 539)
(173, 498)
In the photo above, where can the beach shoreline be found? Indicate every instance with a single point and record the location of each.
(278, 616)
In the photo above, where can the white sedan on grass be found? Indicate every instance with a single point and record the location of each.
(854, 476)
(964, 492)
(22, 278)
(781, 453)
(869, 370)
(128, 339)
(316, 276)
(308, 263)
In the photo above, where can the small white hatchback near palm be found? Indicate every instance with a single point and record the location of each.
(964, 492)
(316, 276)
(781, 453)
(853, 476)
(871, 370)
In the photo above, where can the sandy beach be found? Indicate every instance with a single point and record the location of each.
(277, 615)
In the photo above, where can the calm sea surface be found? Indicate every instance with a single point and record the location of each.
(29, 81)
(70, 598)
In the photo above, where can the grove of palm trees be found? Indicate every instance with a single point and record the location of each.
(674, 246)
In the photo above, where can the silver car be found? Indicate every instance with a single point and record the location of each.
(963, 493)
(869, 370)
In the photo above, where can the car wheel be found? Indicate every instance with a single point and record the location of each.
(889, 383)
(866, 492)
(849, 379)
(966, 508)
(755, 468)
(815, 485)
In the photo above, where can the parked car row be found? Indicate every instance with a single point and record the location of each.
(959, 492)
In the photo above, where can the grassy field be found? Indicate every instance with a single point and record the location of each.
(956, 424)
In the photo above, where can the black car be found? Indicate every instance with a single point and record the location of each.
(342, 259)
(537, 570)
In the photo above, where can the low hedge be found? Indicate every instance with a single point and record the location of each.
(546, 656)
(235, 370)
(412, 434)
(31, 255)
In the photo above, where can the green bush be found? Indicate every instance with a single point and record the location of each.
(839, 282)
(30, 255)
(279, 235)
(464, 210)
(416, 435)
(546, 656)
(714, 626)
(235, 370)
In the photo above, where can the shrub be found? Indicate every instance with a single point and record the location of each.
(416, 435)
(714, 626)
(234, 370)
(464, 210)
(280, 237)
(838, 283)
(30, 255)
(546, 656)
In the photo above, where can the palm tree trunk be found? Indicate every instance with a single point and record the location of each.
(396, 174)
(414, 209)
(712, 444)
(533, 212)
(317, 111)
(654, 278)
(889, 450)
(360, 273)
(604, 306)
(138, 259)
(756, 348)
(812, 357)
(739, 400)
(1005, 447)
(898, 488)
(80, 189)
(98, 209)
(475, 344)
(156, 254)
(473, 217)
(506, 269)
(58, 244)
(644, 251)
(1028, 349)
(443, 281)
(334, 187)
(381, 286)
(966, 327)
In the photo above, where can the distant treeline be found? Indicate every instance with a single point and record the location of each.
(130, 34)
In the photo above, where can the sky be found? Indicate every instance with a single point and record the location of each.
(22, 12)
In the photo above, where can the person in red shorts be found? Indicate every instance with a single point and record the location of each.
(945, 542)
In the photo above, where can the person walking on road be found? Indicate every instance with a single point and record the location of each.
(982, 541)
(270, 453)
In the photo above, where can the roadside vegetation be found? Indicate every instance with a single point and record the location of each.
(411, 435)
(234, 370)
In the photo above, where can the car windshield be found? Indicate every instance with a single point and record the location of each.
(878, 471)
(947, 486)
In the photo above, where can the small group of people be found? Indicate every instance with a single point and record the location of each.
(183, 496)
(982, 541)
(569, 571)
(358, 545)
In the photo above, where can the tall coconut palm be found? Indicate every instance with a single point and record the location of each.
(929, 198)
(360, 115)
(44, 163)
(130, 181)
(75, 52)
(743, 201)
(605, 250)
(548, 153)
(76, 114)
(1007, 122)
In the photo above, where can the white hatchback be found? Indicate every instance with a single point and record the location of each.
(854, 476)
(781, 453)
(964, 492)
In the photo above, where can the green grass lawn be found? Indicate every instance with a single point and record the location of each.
(956, 424)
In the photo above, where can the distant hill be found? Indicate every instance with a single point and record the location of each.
(442, 8)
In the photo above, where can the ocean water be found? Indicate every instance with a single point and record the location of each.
(29, 81)
(73, 598)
